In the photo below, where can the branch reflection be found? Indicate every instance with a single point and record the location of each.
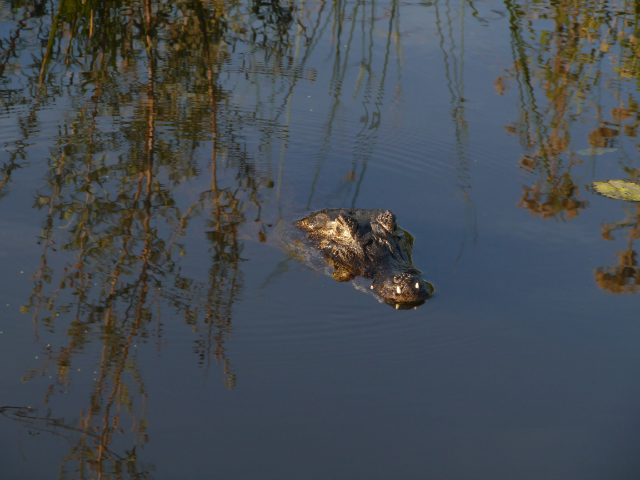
(127, 196)
(575, 64)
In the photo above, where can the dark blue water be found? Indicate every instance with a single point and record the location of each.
(151, 164)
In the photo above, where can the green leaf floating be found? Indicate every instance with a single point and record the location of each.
(618, 189)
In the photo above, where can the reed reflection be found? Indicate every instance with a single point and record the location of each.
(552, 74)
(127, 192)
(453, 52)
(575, 64)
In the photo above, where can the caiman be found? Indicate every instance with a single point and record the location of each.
(369, 244)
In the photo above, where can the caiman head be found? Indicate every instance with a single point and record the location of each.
(396, 280)
(368, 243)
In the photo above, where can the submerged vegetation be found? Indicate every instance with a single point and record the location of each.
(137, 90)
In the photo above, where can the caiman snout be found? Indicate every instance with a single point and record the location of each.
(404, 290)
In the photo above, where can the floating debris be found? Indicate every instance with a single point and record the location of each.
(596, 151)
(618, 189)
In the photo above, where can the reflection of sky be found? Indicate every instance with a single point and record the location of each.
(519, 364)
(5, 30)
(6, 25)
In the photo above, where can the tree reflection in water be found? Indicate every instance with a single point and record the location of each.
(150, 84)
(571, 59)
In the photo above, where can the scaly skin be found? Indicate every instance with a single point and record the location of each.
(368, 243)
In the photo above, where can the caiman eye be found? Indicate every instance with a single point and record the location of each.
(388, 221)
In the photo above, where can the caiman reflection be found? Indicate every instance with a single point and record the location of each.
(368, 243)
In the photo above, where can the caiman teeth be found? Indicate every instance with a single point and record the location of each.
(417, 286)
(371, 287)
(398, 290)
(397, 306)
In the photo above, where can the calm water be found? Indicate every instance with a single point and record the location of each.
(152, 156)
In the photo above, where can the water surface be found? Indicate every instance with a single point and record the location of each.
(153, 154)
